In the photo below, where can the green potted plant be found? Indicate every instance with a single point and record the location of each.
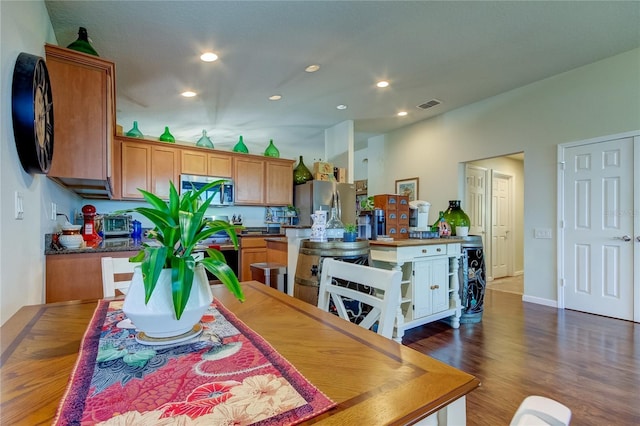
(350, 233)
(168, 268)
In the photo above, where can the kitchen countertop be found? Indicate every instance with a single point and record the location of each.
(417, 242)
(113, 245)
(280, 239)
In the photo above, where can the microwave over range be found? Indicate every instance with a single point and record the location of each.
(222, 193)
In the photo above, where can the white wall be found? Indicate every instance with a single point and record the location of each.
(338, 147)
(598, 99)
(25, 27)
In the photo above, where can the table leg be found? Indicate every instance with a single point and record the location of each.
(399, 329)
(454, 414)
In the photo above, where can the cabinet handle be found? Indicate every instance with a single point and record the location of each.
(424, 250)
(435, 287)
(438, 249)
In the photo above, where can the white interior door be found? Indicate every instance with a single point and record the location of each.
(476, 199)
(598, 214)
(501, 224)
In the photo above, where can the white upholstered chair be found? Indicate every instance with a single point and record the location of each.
(384, 301)
(114, 268)
(541, 411)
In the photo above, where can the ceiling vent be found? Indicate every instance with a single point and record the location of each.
(429, 104)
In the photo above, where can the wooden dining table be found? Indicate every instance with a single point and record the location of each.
(373, 380)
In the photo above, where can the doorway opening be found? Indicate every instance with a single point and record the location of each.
(494, 201)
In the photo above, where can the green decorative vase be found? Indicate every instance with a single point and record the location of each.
(82, 43)
(166, 136)
(241, 147)
(271, 150)
(135, 132)
(301, 174)
(204, 141)
(455, 216)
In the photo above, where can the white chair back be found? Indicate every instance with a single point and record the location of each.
(384, 302)
(112, 270)
(539, 411)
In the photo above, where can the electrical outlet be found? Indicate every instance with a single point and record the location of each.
(542, 233)
(54, 211)
(19, 206)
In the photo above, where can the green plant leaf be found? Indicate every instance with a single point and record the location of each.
(152, 265)
(181, 283)
(155, 201)
(225, 274)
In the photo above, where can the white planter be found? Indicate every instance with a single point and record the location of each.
(157, 318)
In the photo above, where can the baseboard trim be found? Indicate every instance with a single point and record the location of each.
(540, 301)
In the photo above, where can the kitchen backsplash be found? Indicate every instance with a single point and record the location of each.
(251, 216)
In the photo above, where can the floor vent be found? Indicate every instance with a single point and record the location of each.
(429, 104)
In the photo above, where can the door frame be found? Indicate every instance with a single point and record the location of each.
(560, 284)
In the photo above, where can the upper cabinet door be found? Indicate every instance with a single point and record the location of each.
(249, 177)
(279, 183)
(83, 92)
(206, 163)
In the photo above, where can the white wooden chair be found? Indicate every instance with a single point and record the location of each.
(113, 268)
(541, 411)
(384, 301)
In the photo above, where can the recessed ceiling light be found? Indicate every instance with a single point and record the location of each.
(312, 68)
(275, 97)
(342, 106)
(208, 57)
(188, 94)
(402, 113)
(382, 84)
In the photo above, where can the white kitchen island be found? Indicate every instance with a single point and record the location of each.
(430, 284)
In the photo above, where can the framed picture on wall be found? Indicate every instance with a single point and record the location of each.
(408, 187)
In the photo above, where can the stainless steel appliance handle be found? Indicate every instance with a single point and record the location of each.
(222, 193)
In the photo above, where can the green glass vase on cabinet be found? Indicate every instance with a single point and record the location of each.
(82, 43)
(135, 132)
(240, 146)
(301, 174)
(271, 150)
(204, 141)
(167, 136)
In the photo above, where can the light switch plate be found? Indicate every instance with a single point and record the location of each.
(542, 233)
(19, 206)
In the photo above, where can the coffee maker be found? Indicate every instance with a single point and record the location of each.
(419, 215)
(371, 224)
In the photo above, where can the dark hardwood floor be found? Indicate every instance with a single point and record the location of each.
(587, 362)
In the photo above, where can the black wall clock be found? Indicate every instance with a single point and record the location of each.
(32, 109)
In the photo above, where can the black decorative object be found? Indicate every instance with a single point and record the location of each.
(32, 111)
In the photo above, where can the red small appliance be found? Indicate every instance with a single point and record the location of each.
(89, 229)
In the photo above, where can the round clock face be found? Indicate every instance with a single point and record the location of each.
(32, 108)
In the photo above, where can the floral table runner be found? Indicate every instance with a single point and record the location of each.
(226, 375)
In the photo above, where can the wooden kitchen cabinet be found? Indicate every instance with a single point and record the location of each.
(83, 91)
(264, 182)
(149, 167)
(135, 168)
(252, 250)
(277, 250)
(206, 163)
(76, 276)
(249, 180)
(279, 183)
(165, 167)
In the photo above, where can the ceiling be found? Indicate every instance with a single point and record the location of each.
(456, 52)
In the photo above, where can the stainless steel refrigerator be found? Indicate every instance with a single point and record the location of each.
(317, 194)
